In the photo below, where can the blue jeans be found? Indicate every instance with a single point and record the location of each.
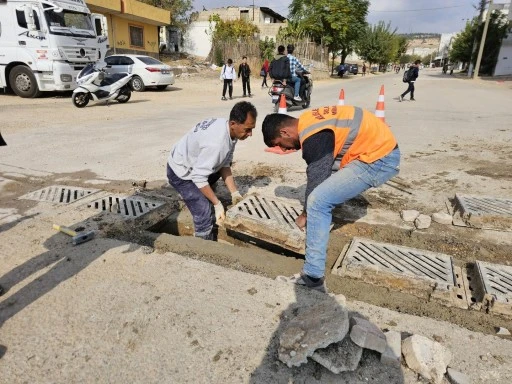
(296, 85)
(198, 205)
(345, 184)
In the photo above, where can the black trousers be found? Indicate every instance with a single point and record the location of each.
(409, 89)
(264, 82)
(228, 83)
(246, 84)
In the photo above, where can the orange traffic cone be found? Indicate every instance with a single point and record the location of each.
(379, 110)
(282, 104)
(341, 101)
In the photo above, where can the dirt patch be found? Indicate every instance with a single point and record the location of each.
(493, 170)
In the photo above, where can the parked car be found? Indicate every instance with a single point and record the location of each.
(353, 68)
(147, 71)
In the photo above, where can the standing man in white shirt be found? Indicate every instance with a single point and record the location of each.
(228, 74)
(204, 155)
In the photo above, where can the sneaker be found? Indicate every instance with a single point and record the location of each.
(304, 280)
(297, 98)
(413, 99)
(244, 95)
(230, 98)
(250, 95)
(400, 98)
(223, 98)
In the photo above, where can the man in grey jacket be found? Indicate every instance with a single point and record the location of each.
(204, 155)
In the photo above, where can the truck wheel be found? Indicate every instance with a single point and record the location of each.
(138, 84)
(23, 82)
(80, 99)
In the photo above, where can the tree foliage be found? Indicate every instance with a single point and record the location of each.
(379, 44)
(179, 10)
(226, 30)
(267, 48)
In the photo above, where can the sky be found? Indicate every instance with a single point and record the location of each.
(432, 16)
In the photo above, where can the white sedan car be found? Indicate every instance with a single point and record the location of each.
(147, 71)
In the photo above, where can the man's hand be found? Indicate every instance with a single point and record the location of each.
(219, 212)
(236, 197)
(301, 221)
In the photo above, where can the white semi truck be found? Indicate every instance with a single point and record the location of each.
(45, 43)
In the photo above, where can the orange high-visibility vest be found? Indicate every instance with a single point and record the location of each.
(358, 134)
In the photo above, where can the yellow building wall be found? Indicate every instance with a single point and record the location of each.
(119, 35)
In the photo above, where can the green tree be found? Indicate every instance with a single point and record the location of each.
(267, 48)
(226, 30)
(379, 44)
(179, 10)
(292, 32)
(336, 23)
(402, 44)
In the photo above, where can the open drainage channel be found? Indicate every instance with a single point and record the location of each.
(429, 275)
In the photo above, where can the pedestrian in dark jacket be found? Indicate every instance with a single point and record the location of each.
(414, 76)
(245, 71)
(264, 73)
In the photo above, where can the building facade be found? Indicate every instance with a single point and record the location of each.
(504, 64)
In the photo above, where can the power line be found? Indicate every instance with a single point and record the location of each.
(423, 9)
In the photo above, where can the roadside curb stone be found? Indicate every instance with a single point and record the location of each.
(442, 218)
(426, 357)
(367, 335)
(456, 377)
(422, 222)
(409, 215)
(393, 352)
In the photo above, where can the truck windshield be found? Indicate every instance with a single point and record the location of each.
(69, 23)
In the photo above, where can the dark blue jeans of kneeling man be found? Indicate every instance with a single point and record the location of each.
(199, 206)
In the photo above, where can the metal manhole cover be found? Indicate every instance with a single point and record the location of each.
(126, 206)
(59, 194)
(484, 212)
(269, 219)
(496, 279)
(404, 268)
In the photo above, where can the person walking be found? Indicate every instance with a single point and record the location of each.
(264, 73)
(413, 75)
(295, 65)
(204, 155)
(347, 151)
(364, 69)
(228, 75)
(245, 71)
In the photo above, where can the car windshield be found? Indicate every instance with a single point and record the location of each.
(149, 60)
(69, 23)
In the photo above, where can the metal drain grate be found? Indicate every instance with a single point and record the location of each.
(484, 212)
(59, 194)
(131, 206)
(268, 219)
(496, 279)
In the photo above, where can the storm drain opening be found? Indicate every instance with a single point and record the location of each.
(269, 220)
(483, 212)
(126, 206)
(497, 285)
(59, 194)
(419, 272)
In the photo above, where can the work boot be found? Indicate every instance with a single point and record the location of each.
(305, 280)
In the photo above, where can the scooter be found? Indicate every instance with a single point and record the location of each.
(94, 84)
(306, 87)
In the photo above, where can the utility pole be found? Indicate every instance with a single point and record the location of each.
(482, 42)
(480, 16)
(253, 10)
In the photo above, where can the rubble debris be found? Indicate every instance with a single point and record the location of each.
(426, 357)
(312, 328)
(502, 331)
(393, 352)
(339, 357)
(456, 377)
(422, 222)
(367, 335)
(442, 218)
(409, 215)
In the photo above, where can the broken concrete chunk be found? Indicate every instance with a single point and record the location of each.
(409, 215)
(426, 357)
(456, 377)
(393, 352)
(310, 329)
(339, 357)
(502, 331)
(442, 218)
(422, 222)
(367, 335)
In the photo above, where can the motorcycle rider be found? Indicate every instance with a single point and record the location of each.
(295, 65)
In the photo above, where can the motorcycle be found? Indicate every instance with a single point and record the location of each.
(306, 87)
(94, 84)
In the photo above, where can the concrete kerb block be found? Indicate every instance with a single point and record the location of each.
(456, 377)
(367, 335)
(423, 222)
(442, 218)
(409, 215)
(393, 352)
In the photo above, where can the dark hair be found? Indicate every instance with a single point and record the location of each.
(230, 61)
(271, 126)
(240, 111)
(290, 48)
(417, 62)
(280, 49)
(244, 57)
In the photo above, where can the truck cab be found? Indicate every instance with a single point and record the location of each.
(44, 44)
